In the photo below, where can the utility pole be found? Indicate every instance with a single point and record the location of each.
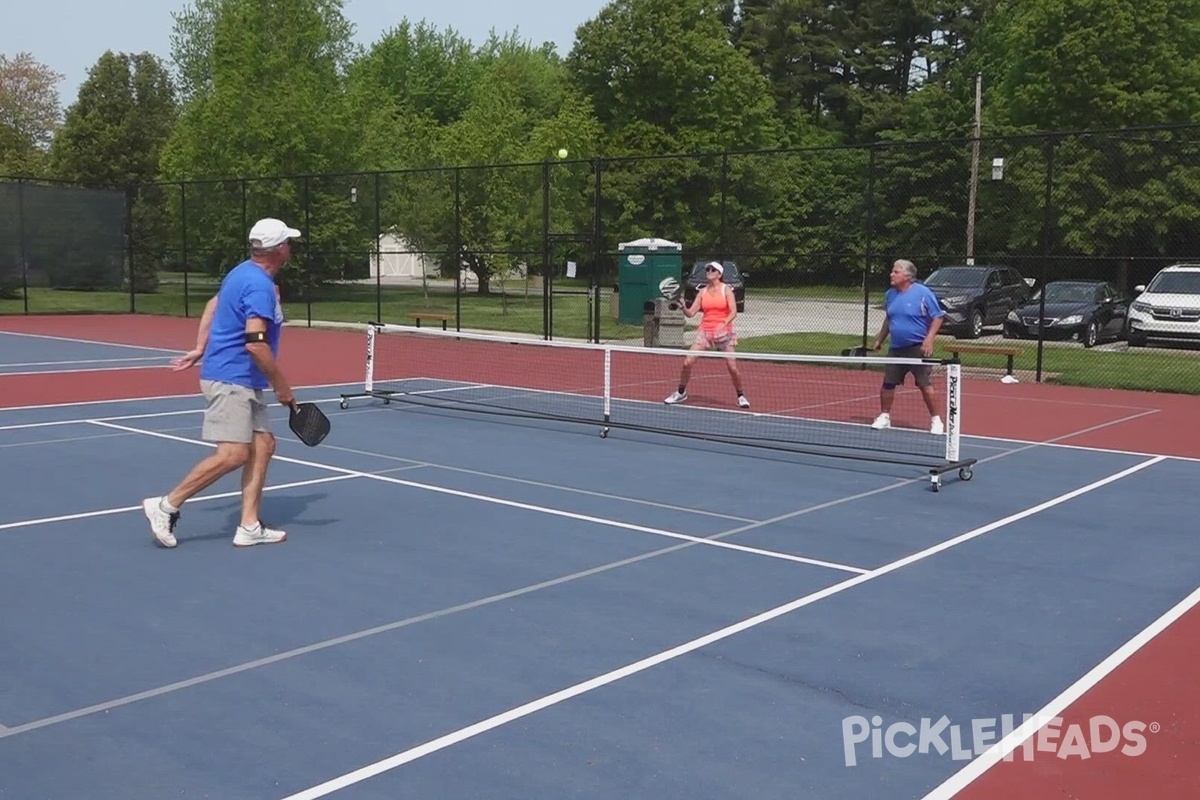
(974, 170)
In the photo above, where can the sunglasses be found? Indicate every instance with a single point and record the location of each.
(710, 269)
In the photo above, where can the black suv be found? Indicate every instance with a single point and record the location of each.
(975, 296)
(732, 276)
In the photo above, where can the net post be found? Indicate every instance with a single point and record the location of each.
(953, 410)
(369, 379)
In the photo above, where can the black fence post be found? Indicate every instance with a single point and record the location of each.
(1047, 249)
(307, 252)
(22, 247)
(129, 249)
(457, 249)
(183, 246)
(724, 241)
(869, 243)
(547, 281)
(597, 170)
(379, 255)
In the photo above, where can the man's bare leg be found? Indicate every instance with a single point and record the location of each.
(254, 477)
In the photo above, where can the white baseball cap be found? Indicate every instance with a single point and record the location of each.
(271, 232)
(717, 266)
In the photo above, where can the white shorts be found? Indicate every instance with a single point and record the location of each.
(722, 338)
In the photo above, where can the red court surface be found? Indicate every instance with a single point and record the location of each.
(1159, 683)
(1159, 686)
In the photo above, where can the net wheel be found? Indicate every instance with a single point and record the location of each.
(604, 433)
(966, 474)
(937, 483)
(344, 405)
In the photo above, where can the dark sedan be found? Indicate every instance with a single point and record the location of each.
(1087, 311)
(732, 276)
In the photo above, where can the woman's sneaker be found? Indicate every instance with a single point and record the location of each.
(676, 397)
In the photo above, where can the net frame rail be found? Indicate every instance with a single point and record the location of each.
(950, 460)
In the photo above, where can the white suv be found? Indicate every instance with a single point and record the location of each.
(1169, 308)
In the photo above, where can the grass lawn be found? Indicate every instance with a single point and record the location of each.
(1146, 370)
(514, 312)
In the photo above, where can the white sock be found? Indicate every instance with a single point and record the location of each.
(250, 528)
(167, 507)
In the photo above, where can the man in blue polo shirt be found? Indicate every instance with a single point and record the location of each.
(241, 326)
(913, 317)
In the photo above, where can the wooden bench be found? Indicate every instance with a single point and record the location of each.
(433, 315)
(1010, 352)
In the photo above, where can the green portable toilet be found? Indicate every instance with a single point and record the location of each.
(649, 268)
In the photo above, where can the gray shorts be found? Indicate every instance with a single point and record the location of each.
(234, 413)
(893, 374)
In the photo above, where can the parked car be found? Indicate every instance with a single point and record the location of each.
(1168, 309)
(1088, 311)
(977, 296)
(732, 276)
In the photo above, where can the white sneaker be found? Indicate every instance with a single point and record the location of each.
(742, 401)
(261, 534)
(882, 421)
(936, 426)
(676, 397)
(162, 524)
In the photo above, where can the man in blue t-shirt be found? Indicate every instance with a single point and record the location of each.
(913, 317)
(238, 344)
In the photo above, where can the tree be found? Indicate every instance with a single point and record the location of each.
(113, 135)
(265, 86)
(411, 81)
(29, 113)
(522, 108)
(1106, 64)
(664, 79)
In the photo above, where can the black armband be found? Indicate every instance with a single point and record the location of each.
(257, 336)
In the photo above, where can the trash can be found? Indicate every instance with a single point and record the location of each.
(671, 321)
(650, 311)
(649, 268)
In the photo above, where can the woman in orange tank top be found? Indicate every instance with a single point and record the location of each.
(718, 307)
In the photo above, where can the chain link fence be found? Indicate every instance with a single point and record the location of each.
(63, 248)
(534, 249)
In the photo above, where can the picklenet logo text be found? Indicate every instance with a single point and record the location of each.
(1100, 734)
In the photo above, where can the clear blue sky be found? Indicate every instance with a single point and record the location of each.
(70, 35)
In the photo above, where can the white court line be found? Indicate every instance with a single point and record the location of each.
(156, 397)
(60, 422)
(994, 754)
(94, 341)
(26, 373)
(108, 705)
(64, 440)
(160, 359)
(433, 746)
(126, 417)
(612, 523)
(28, 523)
(513, 479)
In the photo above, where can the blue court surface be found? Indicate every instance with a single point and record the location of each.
(24, 353)
(480, 607)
